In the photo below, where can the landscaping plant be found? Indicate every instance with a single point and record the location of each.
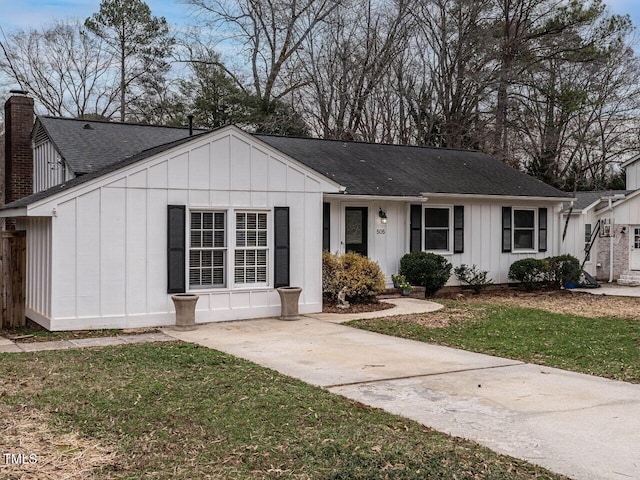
(531, 272)
(361, 277)
(428, 270)
(473, 276)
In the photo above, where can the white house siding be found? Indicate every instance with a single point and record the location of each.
(574, 242)
(110, 235)
(38, 270)
(48, 167)
(632, 172)
(482, 233)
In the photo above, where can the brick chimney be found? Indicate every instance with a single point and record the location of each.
(18, 154)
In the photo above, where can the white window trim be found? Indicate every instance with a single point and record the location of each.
(449, 251)
(230, 217)
(535, 230)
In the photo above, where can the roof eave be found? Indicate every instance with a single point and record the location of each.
(14, 212)
(397, 198)
(500, 197)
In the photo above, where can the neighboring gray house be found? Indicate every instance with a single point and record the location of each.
(606, 224)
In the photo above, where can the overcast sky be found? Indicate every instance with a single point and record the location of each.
(34, 13)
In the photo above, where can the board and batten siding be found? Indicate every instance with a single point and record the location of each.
(49, 169)
(482, 233)
(110, 238)
(38, 286)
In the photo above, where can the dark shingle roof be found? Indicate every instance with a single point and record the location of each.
(394, 170)
(364, 168)
(584, 199)
(88, 150)
(23, 202)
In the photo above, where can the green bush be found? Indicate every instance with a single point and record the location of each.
(474, 277)
(362, 278)
(428, 270)
(564, 269)
(531, 272)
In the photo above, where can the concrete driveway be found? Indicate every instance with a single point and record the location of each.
(582, 426)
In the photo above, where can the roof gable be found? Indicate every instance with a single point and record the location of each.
(396, 170)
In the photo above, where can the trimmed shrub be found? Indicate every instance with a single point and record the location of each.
(473, 276)
(563, 270)
(426, 269)
(531, 272)
(362, 278)
(330, 281)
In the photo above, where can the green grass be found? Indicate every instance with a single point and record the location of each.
(180, 411)
(602, 346)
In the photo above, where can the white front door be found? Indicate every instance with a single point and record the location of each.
(634, 254)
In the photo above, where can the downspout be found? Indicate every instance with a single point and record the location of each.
(611, 237)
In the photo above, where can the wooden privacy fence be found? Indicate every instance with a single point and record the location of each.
(13, 260)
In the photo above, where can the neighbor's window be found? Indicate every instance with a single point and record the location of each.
(524, 228)
(207, 249)
(251, 253)
(436, 228)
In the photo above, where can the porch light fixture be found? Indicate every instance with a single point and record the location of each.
(383, 216)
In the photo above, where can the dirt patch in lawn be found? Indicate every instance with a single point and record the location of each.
(560, 301)
(37, 453)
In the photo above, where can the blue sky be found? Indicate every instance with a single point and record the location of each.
(33, 13)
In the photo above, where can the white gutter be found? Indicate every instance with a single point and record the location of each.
(397, 198)
(500, 197)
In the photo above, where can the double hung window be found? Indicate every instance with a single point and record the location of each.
(207, 249)
(251, 252)
(211, 248)
(524, 229)
(437, 227)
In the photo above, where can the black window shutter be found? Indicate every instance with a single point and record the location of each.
(281, 246)
(415, 239)
(326, 226)
(176, 253)
(542, 229)
(506, 229)
(458, 229)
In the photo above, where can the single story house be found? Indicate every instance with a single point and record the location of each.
(231, 216)
(604, 225)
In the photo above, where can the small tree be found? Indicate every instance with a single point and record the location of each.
(428, 270)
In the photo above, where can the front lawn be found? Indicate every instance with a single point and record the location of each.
(603, 346)
(181, 411)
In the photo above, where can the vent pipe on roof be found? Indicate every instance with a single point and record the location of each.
(190, 117)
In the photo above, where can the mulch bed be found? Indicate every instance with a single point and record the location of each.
(357, 307)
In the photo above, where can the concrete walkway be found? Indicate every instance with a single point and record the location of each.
(8, 346)
(582, 426)
(612, 289)
(403, 306)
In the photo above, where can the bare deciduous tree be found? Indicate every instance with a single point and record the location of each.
(65, 69)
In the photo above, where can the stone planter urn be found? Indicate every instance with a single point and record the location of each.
(185, 304)
(289, 302)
